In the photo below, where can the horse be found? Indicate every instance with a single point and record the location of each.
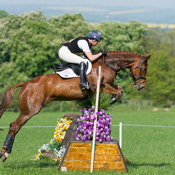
(35, 93)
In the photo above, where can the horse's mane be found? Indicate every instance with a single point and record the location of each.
(124, 52)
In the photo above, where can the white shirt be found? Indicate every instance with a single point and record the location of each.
(83, 45)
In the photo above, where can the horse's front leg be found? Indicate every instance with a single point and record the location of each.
(115, 91)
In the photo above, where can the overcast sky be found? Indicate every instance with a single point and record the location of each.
(132, 3)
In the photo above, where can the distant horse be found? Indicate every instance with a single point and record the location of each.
(42, 89)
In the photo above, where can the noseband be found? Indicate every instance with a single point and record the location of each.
(134, 78)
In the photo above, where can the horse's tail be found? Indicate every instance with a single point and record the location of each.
(7, 98)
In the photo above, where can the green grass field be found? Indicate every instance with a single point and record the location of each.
(150, 150)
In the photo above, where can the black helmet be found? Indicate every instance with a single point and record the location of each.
(95, 35)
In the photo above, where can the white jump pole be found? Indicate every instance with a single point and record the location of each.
(120, 134)
(95, 122)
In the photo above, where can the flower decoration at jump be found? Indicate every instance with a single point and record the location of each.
(55, 143)
(86, 125)
(60, 130)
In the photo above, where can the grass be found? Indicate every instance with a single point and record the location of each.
(150, 150)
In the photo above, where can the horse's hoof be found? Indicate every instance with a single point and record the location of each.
(2, 152)
(4, 158)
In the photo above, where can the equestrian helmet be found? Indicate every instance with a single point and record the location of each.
(95, 35)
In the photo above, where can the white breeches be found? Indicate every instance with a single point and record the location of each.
(66, 55)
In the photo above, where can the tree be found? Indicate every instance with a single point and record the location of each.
(120, 36)
(3, 14)
(10, 75)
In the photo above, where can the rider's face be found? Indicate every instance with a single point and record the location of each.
(94, 43)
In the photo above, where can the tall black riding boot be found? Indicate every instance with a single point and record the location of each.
(83, 80)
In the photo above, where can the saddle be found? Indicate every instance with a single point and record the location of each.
(74, 67)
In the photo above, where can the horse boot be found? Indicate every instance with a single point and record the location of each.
(7, 148)
(84, 84)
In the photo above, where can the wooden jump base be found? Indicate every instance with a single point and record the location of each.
(108, 156)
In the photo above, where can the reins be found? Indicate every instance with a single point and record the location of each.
(108, 66)
(129, 74)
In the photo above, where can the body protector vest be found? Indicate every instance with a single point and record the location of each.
(73, 45)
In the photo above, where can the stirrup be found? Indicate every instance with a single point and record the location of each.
(86, 86)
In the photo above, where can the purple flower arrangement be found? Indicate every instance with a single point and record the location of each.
(85, 127)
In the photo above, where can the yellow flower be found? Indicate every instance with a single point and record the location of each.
(56, 159)
(65, 127)
(69, 121)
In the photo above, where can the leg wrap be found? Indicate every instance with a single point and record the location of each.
(9, 143)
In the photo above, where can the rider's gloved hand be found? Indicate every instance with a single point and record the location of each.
(103, 52)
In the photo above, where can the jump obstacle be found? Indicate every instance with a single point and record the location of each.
(89, 155)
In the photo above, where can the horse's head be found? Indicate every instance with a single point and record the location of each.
(139, 70)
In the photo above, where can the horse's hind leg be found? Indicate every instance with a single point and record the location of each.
(13, 130)
(27, 111)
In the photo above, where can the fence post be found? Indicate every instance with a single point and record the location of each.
(120, 134)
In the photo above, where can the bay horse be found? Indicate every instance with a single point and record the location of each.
(35, 93)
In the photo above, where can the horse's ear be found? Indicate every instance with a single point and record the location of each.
(147, 57)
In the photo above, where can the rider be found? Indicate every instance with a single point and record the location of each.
(76, 51)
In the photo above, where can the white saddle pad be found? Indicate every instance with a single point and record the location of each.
(69, 73)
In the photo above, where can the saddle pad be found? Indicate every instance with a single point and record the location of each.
(69, 73)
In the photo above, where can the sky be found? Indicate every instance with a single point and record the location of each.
(128, 3)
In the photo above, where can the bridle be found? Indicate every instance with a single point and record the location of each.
(140, 71)
(136, 79)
